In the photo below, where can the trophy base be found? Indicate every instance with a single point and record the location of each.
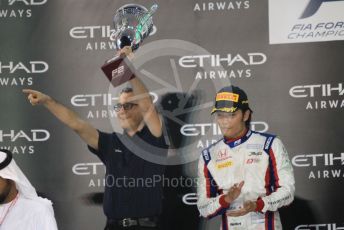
(117, 71)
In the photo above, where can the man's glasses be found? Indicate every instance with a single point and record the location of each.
(126, 106)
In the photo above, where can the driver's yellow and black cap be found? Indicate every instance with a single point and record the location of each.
(229, 99)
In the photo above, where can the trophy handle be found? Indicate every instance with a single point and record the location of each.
(112, 59)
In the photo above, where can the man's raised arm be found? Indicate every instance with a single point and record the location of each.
(150, 115)
(86, 131)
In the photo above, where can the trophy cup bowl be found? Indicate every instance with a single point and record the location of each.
(132, 23)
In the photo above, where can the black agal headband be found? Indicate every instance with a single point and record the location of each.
(7, 160)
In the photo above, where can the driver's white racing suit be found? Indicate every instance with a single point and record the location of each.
(262, 162)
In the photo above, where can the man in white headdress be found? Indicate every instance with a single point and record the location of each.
(20, 206)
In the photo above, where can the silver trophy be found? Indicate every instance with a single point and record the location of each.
(133, 23)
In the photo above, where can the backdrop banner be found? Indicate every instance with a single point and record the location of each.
(286, 55)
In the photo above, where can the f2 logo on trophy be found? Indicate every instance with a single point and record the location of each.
(116, 73)
(133, 23)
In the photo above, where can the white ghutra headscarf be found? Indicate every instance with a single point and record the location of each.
(10, 170)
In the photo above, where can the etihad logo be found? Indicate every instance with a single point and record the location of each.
(34, 135)
(228, 66)
(93, 101)
(32, 67)
(20, 73)
(95, 170)
(97, 37)
(313, 6)
(216, 60)
(323, 90)
(322, 165)
(27, 2)
(332, 226)
(87, 32)
(227, 5)
(22, 142)
(328, 93)
(317, 160)
(19, 12)
(85, 169)
(201, 129)
(98, 31)
(87, 100)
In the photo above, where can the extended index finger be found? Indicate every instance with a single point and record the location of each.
(28, 91)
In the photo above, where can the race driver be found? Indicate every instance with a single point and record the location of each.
(246, 176)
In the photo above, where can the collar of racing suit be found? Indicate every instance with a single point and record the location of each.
(233, 142)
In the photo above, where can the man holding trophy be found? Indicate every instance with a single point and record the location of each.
(246, 176)
(125, 207)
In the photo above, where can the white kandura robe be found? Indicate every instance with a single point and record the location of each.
(30, 212)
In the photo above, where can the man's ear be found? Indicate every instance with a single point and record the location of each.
(247, 115)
